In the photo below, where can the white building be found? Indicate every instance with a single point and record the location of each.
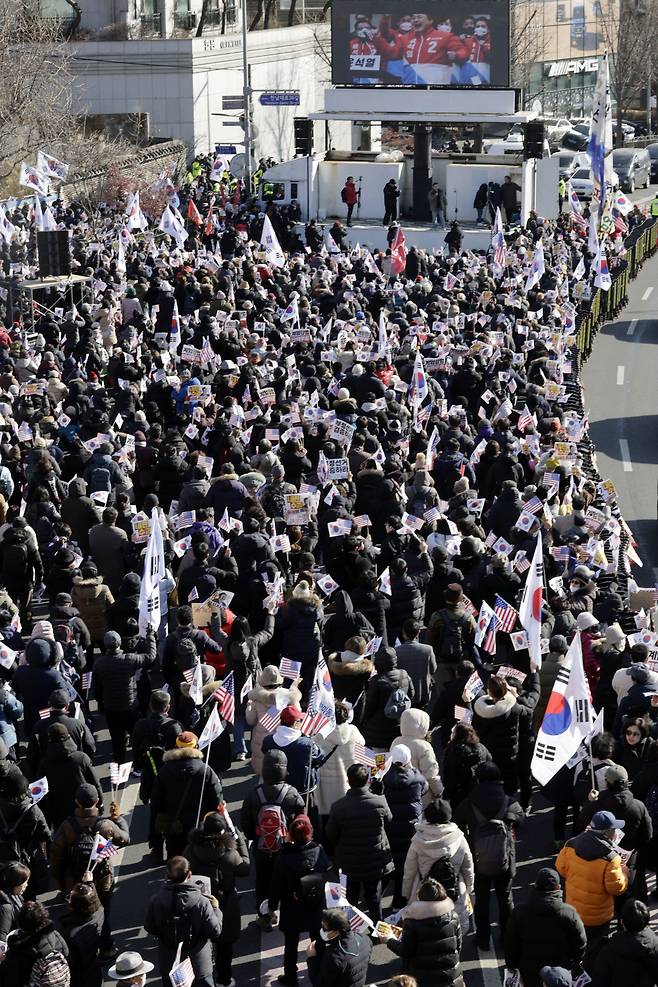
(176, 81)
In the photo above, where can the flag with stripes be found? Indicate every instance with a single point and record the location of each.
(44, 713)
(225, 697)
(107, 850)
(521, 562)
(363, 755)
(182, 974)
(561, 553)
(526, 419)
(620, 223)
(315, 721)
(489, 642)
(505, 615)
(533, 506)
(290, 669)
(271, 719)
(86, 680)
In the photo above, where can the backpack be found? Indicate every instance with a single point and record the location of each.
(491, 845)
(443, 871)
(80, 850)
(422, 501)
(177, 926)
(343, 195)
(310, 891)
(16, 561)
(651, 802)
(451, 645)
(271, 828)
(100, 480)
(10, 846)
(396, 704)
(50, 971)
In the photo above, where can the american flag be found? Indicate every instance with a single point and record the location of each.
(188, 674)
(107, 850)
(182, 975)
(225, 697)
(561, 553)
(620, 223)
(489, 642)
(315, 720)
(270, 720)
(86, 680)
(505, 615)
(363, 755)
(290, 669)
(207, 352)
(468, 607)
(521, 562)
(533, 506)
(432, 515)
(44, 713)
(526, 418)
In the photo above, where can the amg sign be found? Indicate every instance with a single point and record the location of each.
(577, 67)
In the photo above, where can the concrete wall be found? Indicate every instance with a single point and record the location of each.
(331, 178)
(463, 181)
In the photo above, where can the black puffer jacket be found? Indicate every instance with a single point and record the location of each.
(177, 789)
(343, 623)
(373, 605)
(543, 932)
(341, 962)
(498, 725)
(83, 940)
(638, 829)
(459, 766)
(115, 675)
(490, 799)
(404, 788)
(629, 958)
(66, 769)
(430, 944)
(222, 858)
(25, 949)
(357, 829)
(380, 730)
(293, 863)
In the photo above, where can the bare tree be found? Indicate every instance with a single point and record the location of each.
(35, 84)
(73, 27)
(629, 28)
(528, 43)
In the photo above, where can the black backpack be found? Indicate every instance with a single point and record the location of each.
(10, 846)
(492, 853)
(79, 852)
(16, 561)
(443, 871)
(343, 195)
(177, 926)
(451, 645)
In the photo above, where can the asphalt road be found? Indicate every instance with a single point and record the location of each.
(620, 393)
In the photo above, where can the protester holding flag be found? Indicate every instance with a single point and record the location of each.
(270, 691)
(115, 685)
(303, 755)
(219, 851)
(499, 719)
(341, 745)
(184, 783)
(81, 926)
(241, 650)
(389, 689)
(65, 769)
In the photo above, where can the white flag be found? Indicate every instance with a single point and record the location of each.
(246, 688)
(212, 729)
(602, 277)
(196, 685)
(121, 258)
(270, 244)
(33, 179)
(51, 167)
(38, 789)
(38, 215)
(579, 271)
(568, 719)
(154, 571)
(7, 656)
(49, 223)
(136, 218)
(537, 267)
(531, 604)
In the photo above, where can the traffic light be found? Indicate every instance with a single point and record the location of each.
(303, 136)
(533, 140)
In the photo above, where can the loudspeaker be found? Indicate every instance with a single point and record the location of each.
(54, 253)
(303, 136)
(533, 140)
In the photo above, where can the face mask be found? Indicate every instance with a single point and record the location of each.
(480, 32)
(325, 935)
(406, 27)
(444, 27)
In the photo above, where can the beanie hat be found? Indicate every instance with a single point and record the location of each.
(290, 715)
(547, 879)
(301, 830)
(86, 796)
(112, 641)
(58, 699)
(186, 739)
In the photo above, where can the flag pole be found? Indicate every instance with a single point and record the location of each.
(591, 764)
(203, 785)
(308, 777)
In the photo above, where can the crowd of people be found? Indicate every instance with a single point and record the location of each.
(341, 466)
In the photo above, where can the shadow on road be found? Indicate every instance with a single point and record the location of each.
(641, 432)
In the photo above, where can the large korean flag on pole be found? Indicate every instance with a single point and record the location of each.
(568, 718)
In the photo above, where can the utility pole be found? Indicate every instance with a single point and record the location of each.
(246, 92)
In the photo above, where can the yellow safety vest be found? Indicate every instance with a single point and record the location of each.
(654, 207)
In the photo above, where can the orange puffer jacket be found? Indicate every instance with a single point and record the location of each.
(593, 873)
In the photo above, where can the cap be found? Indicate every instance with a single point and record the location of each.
(129, 965)
(186, 739)
(86, 796)
(290, 715)
(554, 976)
(301, 829)
(616, 773)
(604, 820)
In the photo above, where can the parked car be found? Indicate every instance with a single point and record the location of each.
(556, 128)
(653, 155)
(570, 161)
(574, 140)
(582, 184)
(633, 165)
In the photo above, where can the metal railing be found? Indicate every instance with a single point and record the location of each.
(151, 22)
(186, 20)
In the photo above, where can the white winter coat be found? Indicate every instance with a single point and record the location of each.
(259, 701)
(332, 775)
(428, 844)
(414, 727)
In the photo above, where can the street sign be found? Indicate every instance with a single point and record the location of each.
(283, 98)
(233, 102)
(225, 149)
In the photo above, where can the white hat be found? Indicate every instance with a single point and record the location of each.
(400, 754)
(586, 620)
(129, 965)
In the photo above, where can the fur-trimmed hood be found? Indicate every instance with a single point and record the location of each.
(487, 709)
(259, 694)
(183, 754)
(429, 909)
(206, 690)
(362, 666)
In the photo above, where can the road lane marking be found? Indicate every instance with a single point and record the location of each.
(620, 376)
(631, 328)
(625, 456)
(647, 293)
